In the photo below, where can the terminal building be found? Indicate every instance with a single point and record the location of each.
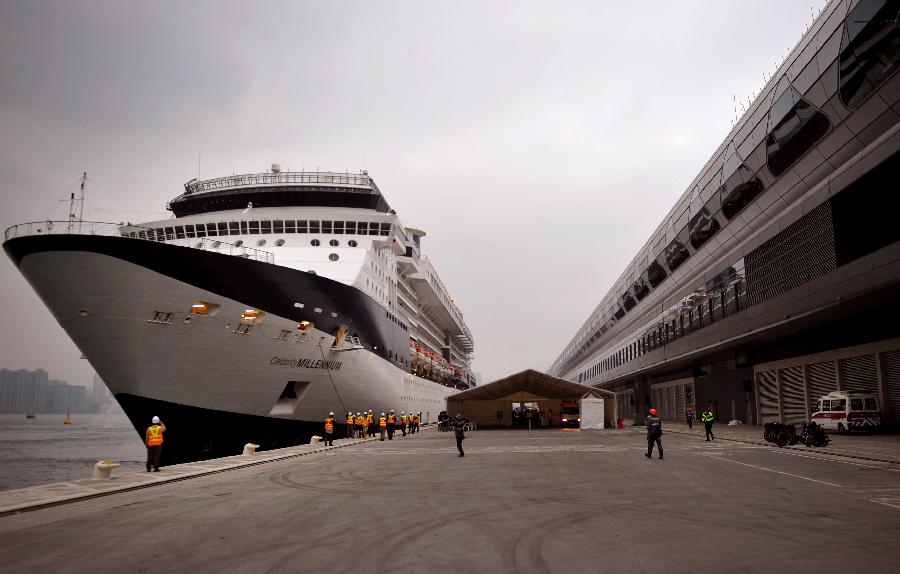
(775, 277)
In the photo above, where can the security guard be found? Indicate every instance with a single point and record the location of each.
(391, 423)
(403, 422)
(707, 417)
(154, 443)
(350, 423)
(329, 430)
(370, 423)
(382, 425)
(654, 433)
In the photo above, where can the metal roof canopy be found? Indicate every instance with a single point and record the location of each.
(530, 385)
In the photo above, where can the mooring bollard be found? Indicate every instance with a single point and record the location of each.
(103, 469)
(250, 448)
(316, 439)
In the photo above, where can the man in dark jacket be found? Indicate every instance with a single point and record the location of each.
(654, 433)
(458, 425)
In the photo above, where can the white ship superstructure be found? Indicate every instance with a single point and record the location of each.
(268, 301)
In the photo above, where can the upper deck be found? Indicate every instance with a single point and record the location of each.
(279, 189)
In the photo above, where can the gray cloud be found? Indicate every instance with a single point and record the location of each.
(539, 143)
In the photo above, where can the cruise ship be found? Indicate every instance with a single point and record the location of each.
(265, 302)
(774, 279)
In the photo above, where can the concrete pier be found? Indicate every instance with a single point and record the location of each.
(520, 501)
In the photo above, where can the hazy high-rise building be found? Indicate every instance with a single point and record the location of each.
(23, 391)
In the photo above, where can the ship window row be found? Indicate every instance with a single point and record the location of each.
(787, 130)
(262, 227)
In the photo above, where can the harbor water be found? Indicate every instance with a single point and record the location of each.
(44, 450)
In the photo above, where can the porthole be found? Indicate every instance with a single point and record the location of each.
(352, 243)
(279, 243)
(239, 242)
(333, 257)
(334, 243)
(261, 242)
(315, 243)
(299, 305)
(317, 310)
(312, 271)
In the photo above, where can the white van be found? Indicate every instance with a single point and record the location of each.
(846, 411)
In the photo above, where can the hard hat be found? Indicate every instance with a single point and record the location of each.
(459, 415)
(392, 410)
(349, 412)
(653, 412)
(331, 414)
(358, 414)
(370, 410)
(382, 414)
(402, 412)
(155, 420)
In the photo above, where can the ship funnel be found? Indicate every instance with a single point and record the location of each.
(276, 168)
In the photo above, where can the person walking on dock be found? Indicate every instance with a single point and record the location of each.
(329, 430)
(690, 417)
(154, 443)
(360, 425)
(382, 425)
(391, 423)
(403, 422)
(370, 423)
(654, 433)
(458, 425)
(707, 417)
(418, 421)
(350, 425)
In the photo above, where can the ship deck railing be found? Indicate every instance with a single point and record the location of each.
(237, 181)
(114, 230)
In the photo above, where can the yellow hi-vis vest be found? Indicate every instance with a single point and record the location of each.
(382, 422)
(370, 418)
(154, 435)
(329, 424)
(349, 419)
(360, 421)
(391, 419)
(403, 420)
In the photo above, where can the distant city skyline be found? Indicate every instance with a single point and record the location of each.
(34, 392)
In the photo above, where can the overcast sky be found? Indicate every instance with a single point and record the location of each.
(539, 143)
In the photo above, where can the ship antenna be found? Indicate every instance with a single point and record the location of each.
(328, 370)
(80, 201)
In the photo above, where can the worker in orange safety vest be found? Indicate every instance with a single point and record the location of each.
(350, 428)
(382, 425)
(391, 423)
(370, 423)
(403, 421)
(154, 443)
(329, 430)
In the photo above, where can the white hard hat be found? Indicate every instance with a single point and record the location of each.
(349, 412)
(402, 412)
(155, 420)
(382, 414)
(359, 414)
(370, 410)
(331, 414)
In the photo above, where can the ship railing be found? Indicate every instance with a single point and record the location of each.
(229, 182)
(136, 232)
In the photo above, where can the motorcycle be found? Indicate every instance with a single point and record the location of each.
(814, 435)
(781, 434)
